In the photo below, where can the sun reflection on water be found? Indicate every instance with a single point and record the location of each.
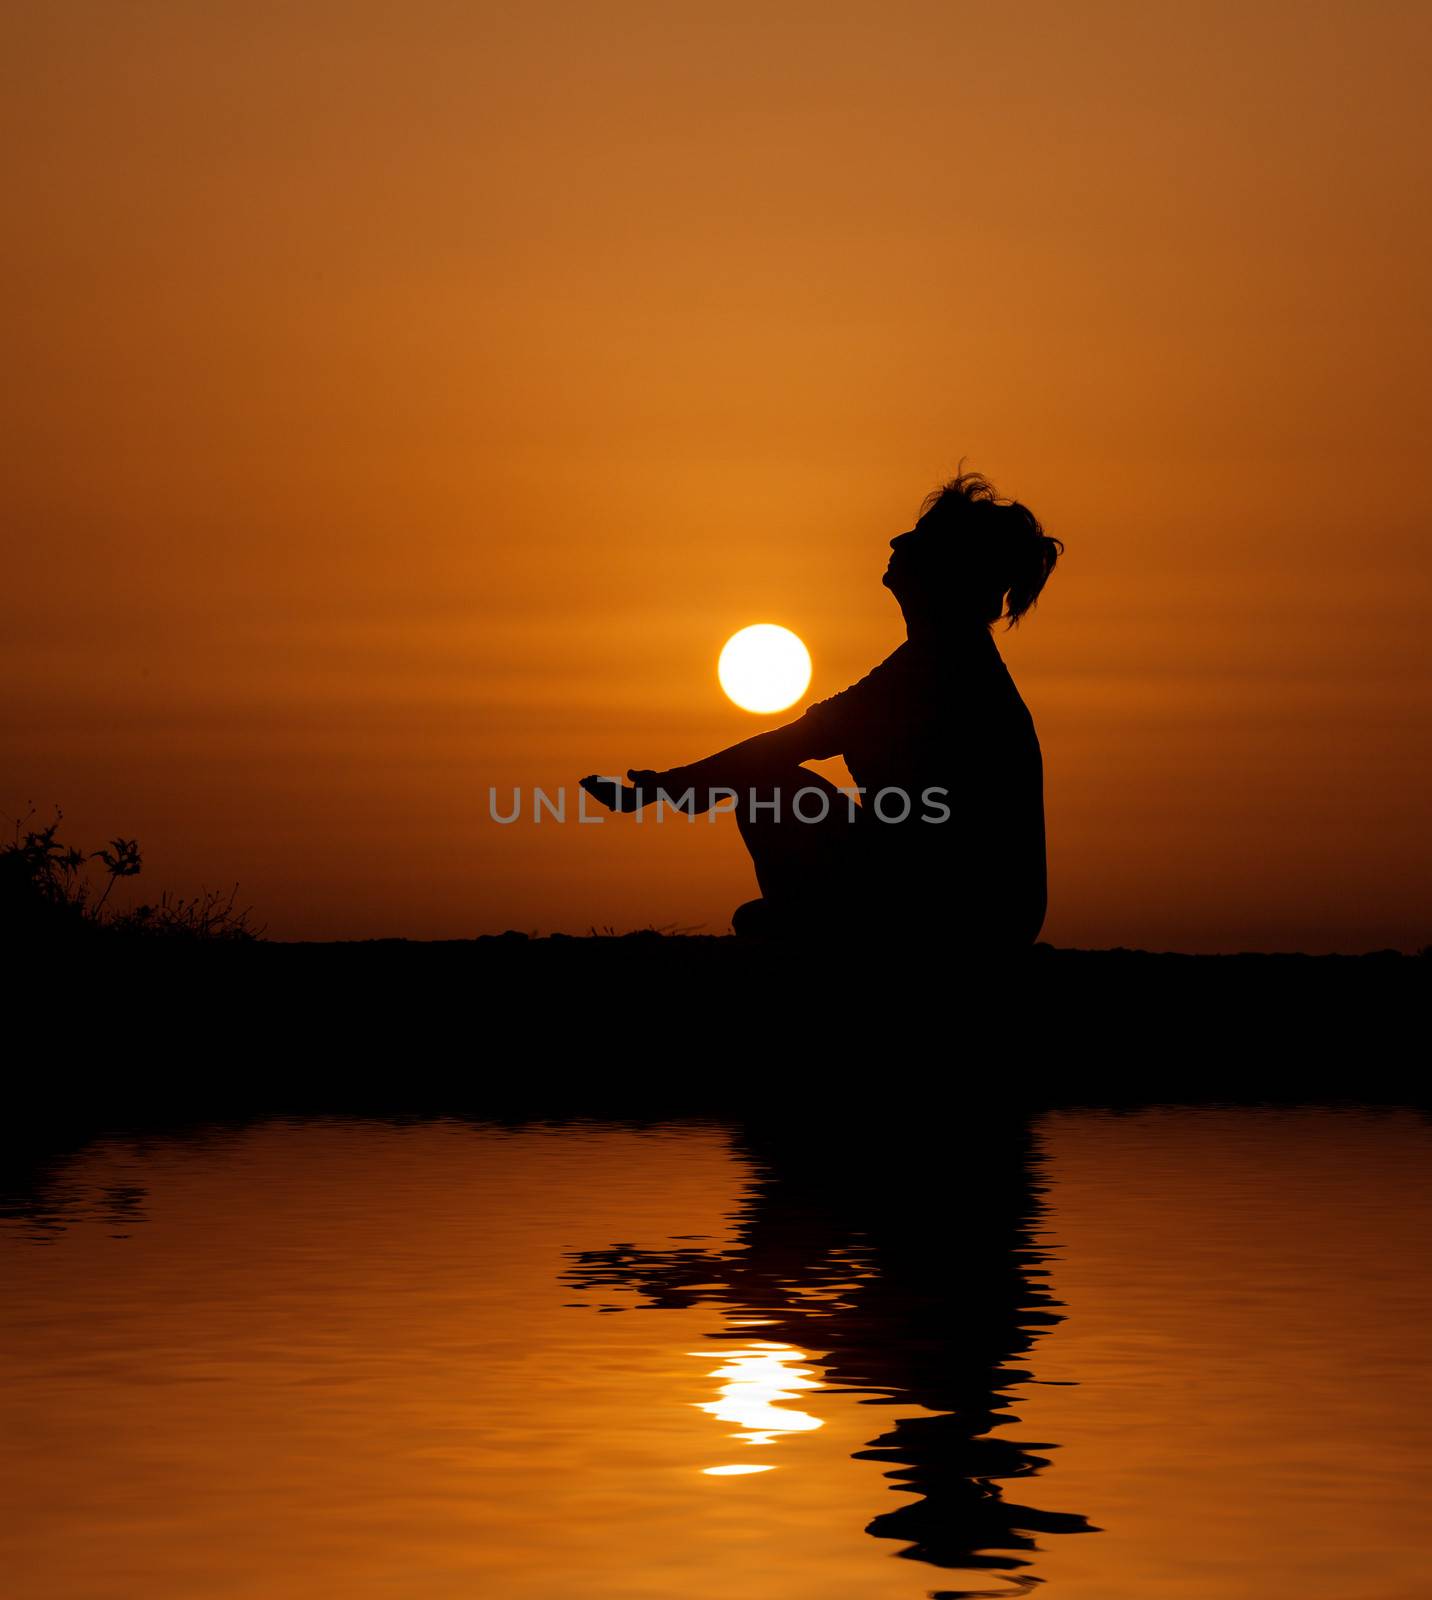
(756, 1379)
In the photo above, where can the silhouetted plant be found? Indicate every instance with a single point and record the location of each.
(212, 914)
(48, 889)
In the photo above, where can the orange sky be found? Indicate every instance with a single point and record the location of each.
(407, 400)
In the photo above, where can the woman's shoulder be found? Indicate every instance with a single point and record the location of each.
(868, 696)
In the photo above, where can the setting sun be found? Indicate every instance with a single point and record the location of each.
(764, 668)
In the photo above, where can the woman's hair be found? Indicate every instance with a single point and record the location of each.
(1011, 554)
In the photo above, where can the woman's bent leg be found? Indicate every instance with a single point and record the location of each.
(801, 832)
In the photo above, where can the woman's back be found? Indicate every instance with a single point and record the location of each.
(944, 749)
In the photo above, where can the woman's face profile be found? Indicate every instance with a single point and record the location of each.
(900, 558)
(933, 572)
(912, 559)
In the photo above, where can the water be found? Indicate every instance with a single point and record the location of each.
(1162, 1354)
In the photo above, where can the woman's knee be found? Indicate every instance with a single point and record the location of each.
(795, 796)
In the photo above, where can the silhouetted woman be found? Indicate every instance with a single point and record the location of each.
(947, 839)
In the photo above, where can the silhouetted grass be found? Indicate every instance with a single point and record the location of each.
(51, 890)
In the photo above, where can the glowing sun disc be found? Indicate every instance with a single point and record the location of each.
(764, 667)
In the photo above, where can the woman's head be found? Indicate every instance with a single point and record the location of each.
(969, 555)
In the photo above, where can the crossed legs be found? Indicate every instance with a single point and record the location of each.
(808, 851)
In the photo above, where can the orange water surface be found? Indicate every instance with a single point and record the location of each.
(1182, 1353)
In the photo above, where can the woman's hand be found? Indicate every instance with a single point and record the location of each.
(624, 796)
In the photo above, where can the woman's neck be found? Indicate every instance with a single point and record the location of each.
(947, 629)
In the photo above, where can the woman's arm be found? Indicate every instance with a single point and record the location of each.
(823, 730)
(695, 788)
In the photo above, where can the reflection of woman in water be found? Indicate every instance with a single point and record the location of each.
(949, 833)
(905, 1255)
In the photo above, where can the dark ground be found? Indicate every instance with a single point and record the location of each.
(647, 1023)
(873, 1047)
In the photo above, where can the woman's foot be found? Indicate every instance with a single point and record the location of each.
(755, 920)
